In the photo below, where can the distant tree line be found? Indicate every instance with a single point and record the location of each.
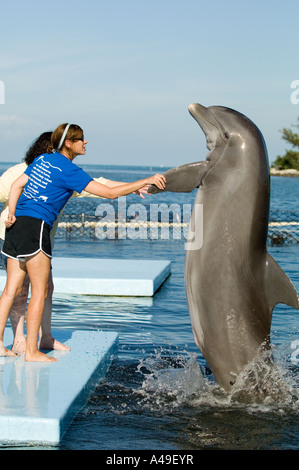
(291, 158)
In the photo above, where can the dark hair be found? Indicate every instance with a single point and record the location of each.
(39, 146)
(74, 132)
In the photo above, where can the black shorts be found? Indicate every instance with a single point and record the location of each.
(26, 237)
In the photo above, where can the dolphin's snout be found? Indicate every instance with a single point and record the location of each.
(197, 108)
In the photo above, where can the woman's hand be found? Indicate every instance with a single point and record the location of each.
(158, 180)
(142, 191)
(10, 220)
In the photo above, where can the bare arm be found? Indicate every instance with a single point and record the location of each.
(15, 192)
(89, 195)
(7, 178)
(110, 183)
(122, 189)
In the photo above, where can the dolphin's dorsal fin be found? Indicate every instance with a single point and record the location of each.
(280, 289)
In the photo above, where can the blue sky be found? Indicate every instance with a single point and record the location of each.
(126, 71)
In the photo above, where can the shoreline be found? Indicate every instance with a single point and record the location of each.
(290, 172)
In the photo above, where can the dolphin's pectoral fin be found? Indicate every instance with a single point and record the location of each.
(182, 179)
(280, 289)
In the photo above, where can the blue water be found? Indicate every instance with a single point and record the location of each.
(159, 393)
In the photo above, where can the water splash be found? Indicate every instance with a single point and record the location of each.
(264, 382)
(172, 382)
(172, 398)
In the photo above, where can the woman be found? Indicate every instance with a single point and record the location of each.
(18, 309)
(35, 200)
(17, 313)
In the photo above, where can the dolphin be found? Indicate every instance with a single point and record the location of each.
(232, 282)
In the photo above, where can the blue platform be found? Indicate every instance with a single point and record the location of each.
(109, 277)
(38, 401)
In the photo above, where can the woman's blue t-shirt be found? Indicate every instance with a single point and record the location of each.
(52, 180)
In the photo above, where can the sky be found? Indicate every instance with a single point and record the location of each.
(126, 71)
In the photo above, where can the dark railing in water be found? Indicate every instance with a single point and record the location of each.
(283, 226)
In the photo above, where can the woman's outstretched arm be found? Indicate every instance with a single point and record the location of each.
(113, 192)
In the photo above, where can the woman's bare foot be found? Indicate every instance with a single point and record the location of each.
(38, 356)
(19, 345)
(7, 352)
(52, 343)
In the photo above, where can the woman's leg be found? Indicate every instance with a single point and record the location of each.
(38, 267)
(46, 340)
(17, 318)
(16, 272)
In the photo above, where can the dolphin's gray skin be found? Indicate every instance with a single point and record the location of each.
(232, 283)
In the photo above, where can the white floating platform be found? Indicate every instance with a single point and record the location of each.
(38, 401)
(110, 277)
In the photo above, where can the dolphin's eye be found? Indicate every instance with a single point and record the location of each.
(226, 135)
